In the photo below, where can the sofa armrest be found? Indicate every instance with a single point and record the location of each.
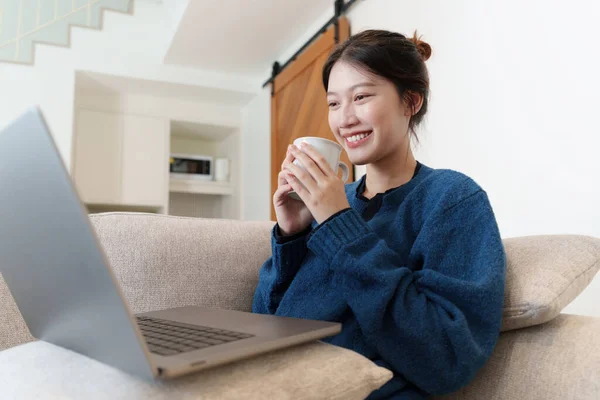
(554, 361)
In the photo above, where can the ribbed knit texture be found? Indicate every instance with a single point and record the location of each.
(419, 287)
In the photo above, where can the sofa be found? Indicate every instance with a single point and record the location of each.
(166, 261)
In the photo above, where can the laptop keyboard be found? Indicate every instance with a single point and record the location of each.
(168, 338)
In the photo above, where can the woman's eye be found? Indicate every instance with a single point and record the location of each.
(360, 97)
(332, 104)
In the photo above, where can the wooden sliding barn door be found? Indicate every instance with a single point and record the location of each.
(298, 105)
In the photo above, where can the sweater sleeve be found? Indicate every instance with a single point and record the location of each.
(278, 271)
(435, 325)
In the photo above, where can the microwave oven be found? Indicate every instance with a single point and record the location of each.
(188, 166)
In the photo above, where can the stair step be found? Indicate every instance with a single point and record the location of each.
(48, 22)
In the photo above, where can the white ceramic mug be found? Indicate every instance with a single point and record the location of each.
(330, 150)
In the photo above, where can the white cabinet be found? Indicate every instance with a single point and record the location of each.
(121, 159)
(97, 161)
(145, 161)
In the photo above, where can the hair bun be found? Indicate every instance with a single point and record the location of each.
(423, 47)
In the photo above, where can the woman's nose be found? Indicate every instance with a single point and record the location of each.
(348, 117)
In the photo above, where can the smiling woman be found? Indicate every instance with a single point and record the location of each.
(366, 87)
(408, 258)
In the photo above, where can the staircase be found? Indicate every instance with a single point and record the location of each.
(23, 23)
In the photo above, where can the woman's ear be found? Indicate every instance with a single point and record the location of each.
(412, 103)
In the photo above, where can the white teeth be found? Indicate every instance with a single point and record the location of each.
(355, 138)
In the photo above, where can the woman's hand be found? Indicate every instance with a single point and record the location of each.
(292, 215)
(322, 191)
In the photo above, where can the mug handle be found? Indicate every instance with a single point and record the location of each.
(345, 171)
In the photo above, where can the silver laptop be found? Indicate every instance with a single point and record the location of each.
(67, 293)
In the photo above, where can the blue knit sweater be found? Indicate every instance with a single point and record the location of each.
(419, 287)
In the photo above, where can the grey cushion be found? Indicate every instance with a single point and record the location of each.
(312, 371)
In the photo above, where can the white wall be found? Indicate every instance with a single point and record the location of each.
(256, 158)
(515, 92)
(49, 85)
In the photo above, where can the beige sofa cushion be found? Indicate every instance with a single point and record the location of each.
(316, 370)
(13, 330)
(165, 261)
(544, 274)
(555, 361)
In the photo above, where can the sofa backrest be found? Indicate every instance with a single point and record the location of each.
(164, 261)
(184, 261)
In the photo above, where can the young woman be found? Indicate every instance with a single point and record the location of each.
(409, 258)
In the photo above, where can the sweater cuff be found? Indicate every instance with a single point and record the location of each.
(281, 239)
(288, 256)
(333, 216)
(333, 235)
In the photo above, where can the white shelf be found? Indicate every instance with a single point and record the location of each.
(200, 187)
(206, 132)
(93, 208)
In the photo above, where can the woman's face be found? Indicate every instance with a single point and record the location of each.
(366, 114)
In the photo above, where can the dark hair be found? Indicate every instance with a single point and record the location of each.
(390, 55)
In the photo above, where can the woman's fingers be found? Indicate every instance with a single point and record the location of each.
(309, 165)
(298, 187)
(317, 159)
(282, 178)
(289, 158)
(303, 176)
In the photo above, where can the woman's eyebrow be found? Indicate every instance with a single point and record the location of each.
(367, 84)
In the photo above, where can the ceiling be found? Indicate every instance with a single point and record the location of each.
(241, 36)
